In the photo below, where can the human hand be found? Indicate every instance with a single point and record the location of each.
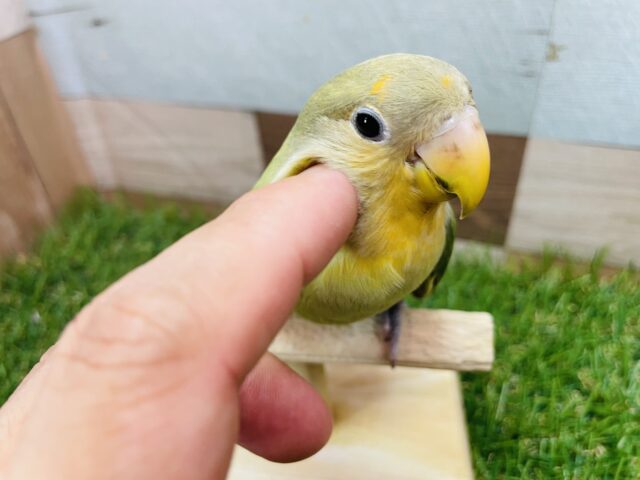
(163, 372)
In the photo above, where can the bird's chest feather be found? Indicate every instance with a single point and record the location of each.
(392, 250)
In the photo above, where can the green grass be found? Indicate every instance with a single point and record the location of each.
(563, 399)
(93, 244)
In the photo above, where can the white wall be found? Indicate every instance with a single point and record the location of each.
(591, 93)
(13, 18)
(270, 55)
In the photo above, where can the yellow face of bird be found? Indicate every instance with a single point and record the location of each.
(404, 119)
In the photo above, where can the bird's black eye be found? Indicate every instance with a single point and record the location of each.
(369, 124)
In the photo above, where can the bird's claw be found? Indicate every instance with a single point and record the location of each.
(390, 325)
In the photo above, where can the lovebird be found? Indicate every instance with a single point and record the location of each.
(405, 131)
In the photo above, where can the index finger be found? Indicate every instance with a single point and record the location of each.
(228, 287)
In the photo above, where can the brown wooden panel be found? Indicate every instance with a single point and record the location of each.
(274, 128)
(40, 118)
(24, 206)
(489, 222)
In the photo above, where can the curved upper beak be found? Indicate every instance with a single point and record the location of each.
(457, 157)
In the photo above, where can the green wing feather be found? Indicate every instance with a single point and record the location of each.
(430, 283)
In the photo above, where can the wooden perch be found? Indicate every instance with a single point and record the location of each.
(445, 339)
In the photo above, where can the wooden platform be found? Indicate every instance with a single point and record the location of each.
(405, 423)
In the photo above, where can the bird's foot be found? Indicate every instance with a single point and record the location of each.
(389, 321)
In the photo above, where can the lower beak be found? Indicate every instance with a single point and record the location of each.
(457, 159)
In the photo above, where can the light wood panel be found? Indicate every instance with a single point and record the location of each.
(24, 206)
(40, 119)
(447, 339)
(92, 141)
(40, 164)
(178, 151)
(580, 197)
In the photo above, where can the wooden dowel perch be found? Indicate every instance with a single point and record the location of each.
(445, 339)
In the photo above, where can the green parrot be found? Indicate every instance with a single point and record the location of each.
(405, 131)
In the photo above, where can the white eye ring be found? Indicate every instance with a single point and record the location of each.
(369, 124)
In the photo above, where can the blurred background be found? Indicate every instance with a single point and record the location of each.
(189, 100)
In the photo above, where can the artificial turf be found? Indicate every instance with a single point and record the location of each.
(563, 398)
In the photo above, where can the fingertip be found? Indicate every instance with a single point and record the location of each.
(337, 180)
(335, 212)
(344, 196)
(282, 418)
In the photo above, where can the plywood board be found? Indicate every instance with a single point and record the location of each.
(33, 104)
(579, 197)
(388, 424)
(24, 206)
(196, 153)
(92, 141)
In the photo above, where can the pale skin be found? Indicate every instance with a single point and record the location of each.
(167, 369)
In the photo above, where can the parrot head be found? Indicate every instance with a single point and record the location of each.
(401, 122)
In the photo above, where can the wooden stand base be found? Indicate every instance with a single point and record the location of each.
(405, 423)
